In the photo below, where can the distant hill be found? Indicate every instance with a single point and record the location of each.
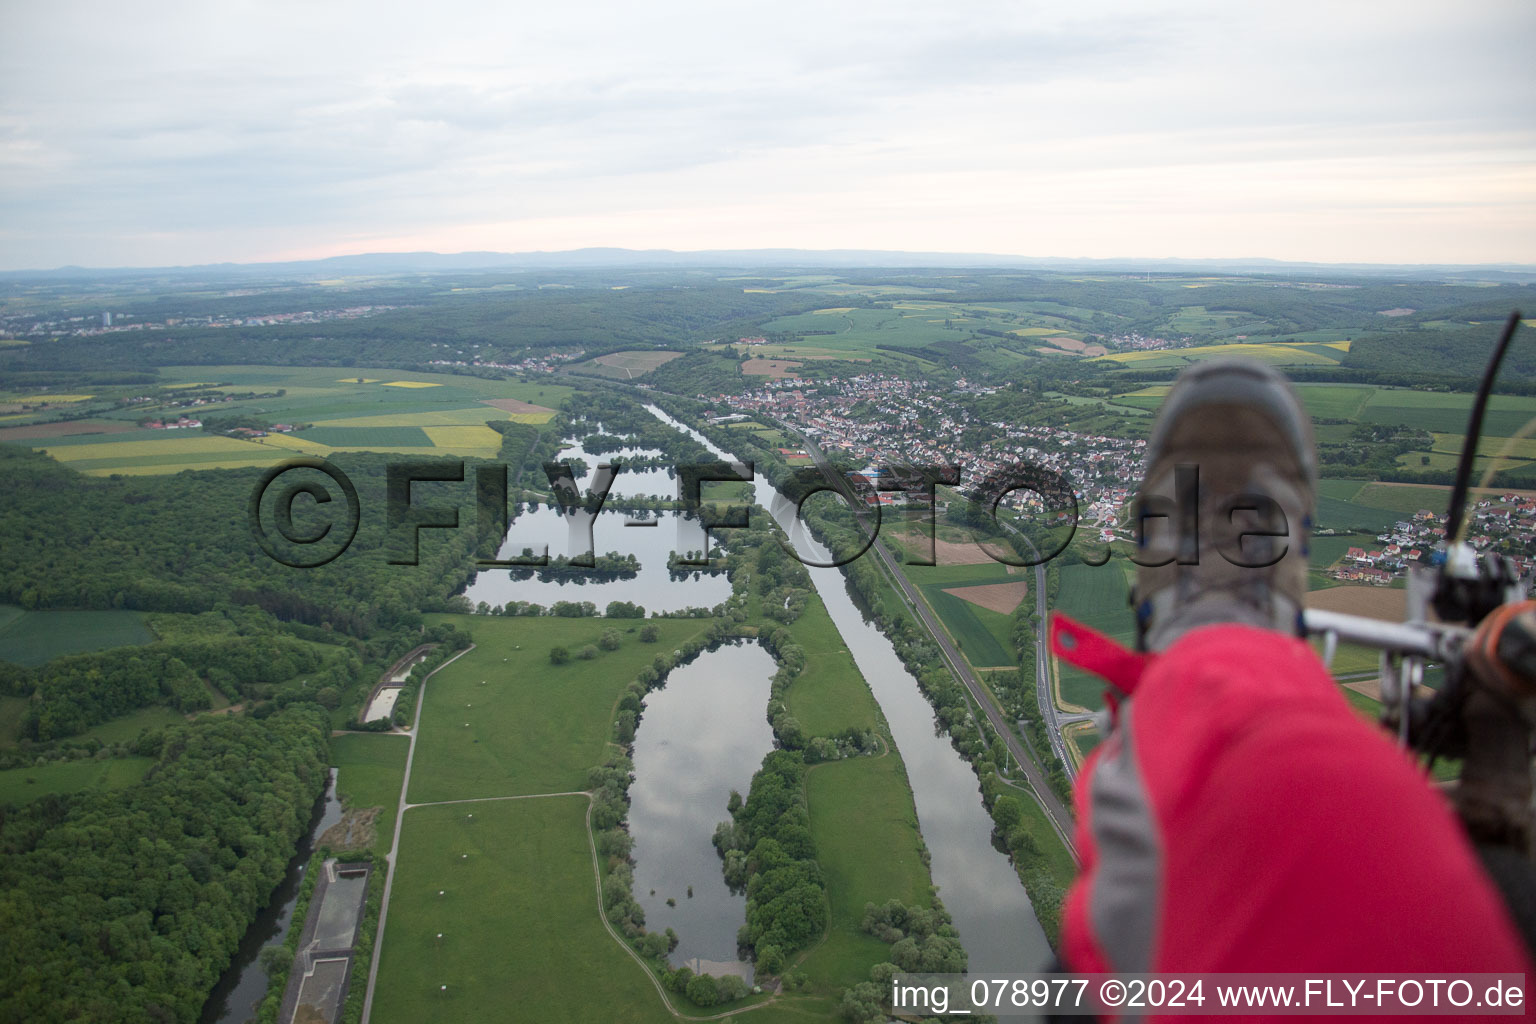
(394, 263)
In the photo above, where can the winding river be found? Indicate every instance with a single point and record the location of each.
(977, 884)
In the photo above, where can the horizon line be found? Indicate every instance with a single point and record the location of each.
(779, 252)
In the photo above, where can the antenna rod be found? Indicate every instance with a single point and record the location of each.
(1475, 431)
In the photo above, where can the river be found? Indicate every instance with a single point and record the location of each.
(977, 884)
(243, 985)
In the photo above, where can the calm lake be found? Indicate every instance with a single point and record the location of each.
(702, 735)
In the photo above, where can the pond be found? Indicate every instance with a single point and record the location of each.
(654, 587)
(702, 735)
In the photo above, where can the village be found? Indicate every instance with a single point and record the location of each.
(914, 422)
(1506, 524)
(917, 423)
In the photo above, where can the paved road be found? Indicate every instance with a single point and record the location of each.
(1054, 719)
(1054, 808)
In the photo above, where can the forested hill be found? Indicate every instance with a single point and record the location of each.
(184, 543)
(427, 323)
(126, 906)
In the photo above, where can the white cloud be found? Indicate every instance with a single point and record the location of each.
(190, 132)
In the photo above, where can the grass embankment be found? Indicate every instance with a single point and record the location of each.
(369, 769)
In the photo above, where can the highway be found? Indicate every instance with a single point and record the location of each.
(1054, 718)
(1058, 813)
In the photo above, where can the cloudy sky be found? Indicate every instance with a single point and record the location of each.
(153, 133)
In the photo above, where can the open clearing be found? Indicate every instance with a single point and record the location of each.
(23, 785)
(32, 638)
(627, 365)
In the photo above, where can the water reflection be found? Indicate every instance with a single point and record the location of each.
(654, 586)
(702, 735)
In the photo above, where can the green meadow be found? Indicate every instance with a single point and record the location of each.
(830, 695)
(33, 637)
(522, 938)
(23, 785)
(503, 720)
(369, 769)
(858, 806)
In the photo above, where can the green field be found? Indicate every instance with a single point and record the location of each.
(1095, 596)
(368, 437)
(858, 331)
(23, 785)
(370, 767)
(374, 409)
(830, 695)
(534, 727)
(858, 806)
(1407, 500)
(32, 638)
(522, 937)
(129, 726)
(627, 365)
(1447, 412)
(1338, 514)
(12, 709)
(981, 634)
(1334, 401)
(1327, 550)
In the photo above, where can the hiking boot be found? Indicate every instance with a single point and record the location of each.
(1224, 513)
